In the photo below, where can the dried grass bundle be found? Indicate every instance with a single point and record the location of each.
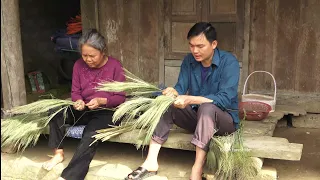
(138, 113)
(134, 86)
(29, 121)
(229, 159)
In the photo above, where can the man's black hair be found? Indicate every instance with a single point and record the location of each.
(203, 27)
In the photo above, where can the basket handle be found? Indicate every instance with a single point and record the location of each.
(274, 81)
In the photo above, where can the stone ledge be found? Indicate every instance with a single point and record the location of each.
(310, 104)
(262, 147)
(307, 121)
(295, 110)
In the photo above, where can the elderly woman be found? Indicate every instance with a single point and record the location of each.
(90, 105)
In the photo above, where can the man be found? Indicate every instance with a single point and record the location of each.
(206, 94)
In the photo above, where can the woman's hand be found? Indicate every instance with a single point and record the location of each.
(96, 102)
(171, 92)
(79, 105)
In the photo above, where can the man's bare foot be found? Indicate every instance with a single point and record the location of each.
(196, 173)
(150, 166)
(56, 159)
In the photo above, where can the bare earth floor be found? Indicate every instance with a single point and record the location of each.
(308, 168)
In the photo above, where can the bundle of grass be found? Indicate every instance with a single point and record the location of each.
(227, 155)
(229, 159)
(29, 121)
(138, 113)
(134, 86)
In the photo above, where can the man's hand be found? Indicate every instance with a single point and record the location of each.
(96, 102)
(79, 105)
(171, 92)
(182, 101)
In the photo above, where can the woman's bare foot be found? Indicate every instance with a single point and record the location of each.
(196, 173)
(60, 178)
(56, 159)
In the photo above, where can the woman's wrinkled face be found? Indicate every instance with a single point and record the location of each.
(92, 57)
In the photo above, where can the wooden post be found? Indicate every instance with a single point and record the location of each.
(89, 14)
(246, 44)
(161, 42)
(12, 70)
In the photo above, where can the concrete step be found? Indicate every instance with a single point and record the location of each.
(309, 104)
(262, 146)
(307, 121)
(296, 110)
(257, 139)
(264, 127)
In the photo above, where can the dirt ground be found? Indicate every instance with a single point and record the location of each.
(176, 164)
(308, 168)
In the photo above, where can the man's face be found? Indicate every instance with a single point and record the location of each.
(201, 48)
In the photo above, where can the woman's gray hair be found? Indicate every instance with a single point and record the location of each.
(94, 39)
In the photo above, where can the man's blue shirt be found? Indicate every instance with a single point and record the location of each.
(221, 82)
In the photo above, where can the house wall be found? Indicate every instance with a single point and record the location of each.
(280, 37)
(39, 19)
(132, 32)
(284, 40)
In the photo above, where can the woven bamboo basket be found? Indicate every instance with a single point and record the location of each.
(271, 100)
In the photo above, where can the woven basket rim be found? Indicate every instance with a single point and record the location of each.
(258, 95)
(269, 107)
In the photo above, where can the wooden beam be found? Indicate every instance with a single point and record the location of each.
(96, 14)
(89, 14)
(161, 42)
(246, 43)
(12, 70)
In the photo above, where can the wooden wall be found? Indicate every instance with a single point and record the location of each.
(132, 31)
(285, 40)
(279, 36)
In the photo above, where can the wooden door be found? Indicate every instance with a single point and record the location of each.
(227, 17)
(180, 15)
